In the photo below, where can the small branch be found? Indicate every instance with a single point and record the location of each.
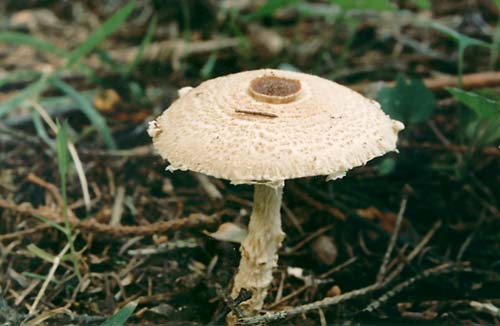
(383, 268)
(177, 49)
(20, 234)
(399, 268)
(336, 213)
(210, 189)
(470, 81)
(192, 221)
(308, 239)
(440, 270)
(327, 302)
(52, 189)
(92, 225)
(244, 295)
(165, 247)
(491, 151)
(289, 296)
(339, 267)
(140, 151)
(488, 308)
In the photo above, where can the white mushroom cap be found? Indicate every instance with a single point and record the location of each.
(271, 125)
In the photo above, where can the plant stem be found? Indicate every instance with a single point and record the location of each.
(69, 234)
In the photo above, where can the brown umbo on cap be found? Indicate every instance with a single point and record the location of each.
(270, 125)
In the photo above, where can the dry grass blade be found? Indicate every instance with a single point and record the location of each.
(50, 276)
(74, 155)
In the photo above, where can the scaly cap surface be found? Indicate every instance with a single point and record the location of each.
(271, 125)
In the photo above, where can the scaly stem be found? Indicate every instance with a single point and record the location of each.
(259, 250)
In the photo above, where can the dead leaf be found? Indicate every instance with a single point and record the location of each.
(387, 222)
(106, 100)
(163, 309)
(229, 232)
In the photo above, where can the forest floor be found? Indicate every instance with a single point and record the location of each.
(411, 238)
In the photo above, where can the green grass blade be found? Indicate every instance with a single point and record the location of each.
(40, 253)
(145, 42)
(122, 315)
(368, 5)
(33, 90)
(208, 68)
(62, 148)
(109, 27)
(17, 76)
(269, 8)
(26, 39)
(63, 163)
(459, 37)
(40, 277)
(106, 59)
(88, 109)
(40, 129)
(50, 223)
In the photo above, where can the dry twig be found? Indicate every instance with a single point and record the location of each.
(92, 225)
(439, 270)
(470, 81)
(392, 243)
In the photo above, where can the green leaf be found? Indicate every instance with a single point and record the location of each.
(62, 148)
(408, 101)
(122, 315)
(497, 2)
(423, 4)
(387, 166)
(33, 90)
(371, 5)
(483, 107)
(106, 59)
(485, 128)
(145, 42)
(106, 29)
(88, 109)
(26, 39)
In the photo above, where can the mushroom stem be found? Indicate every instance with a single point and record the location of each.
(259, 250)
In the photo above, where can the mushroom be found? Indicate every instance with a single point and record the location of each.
(263, 127)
